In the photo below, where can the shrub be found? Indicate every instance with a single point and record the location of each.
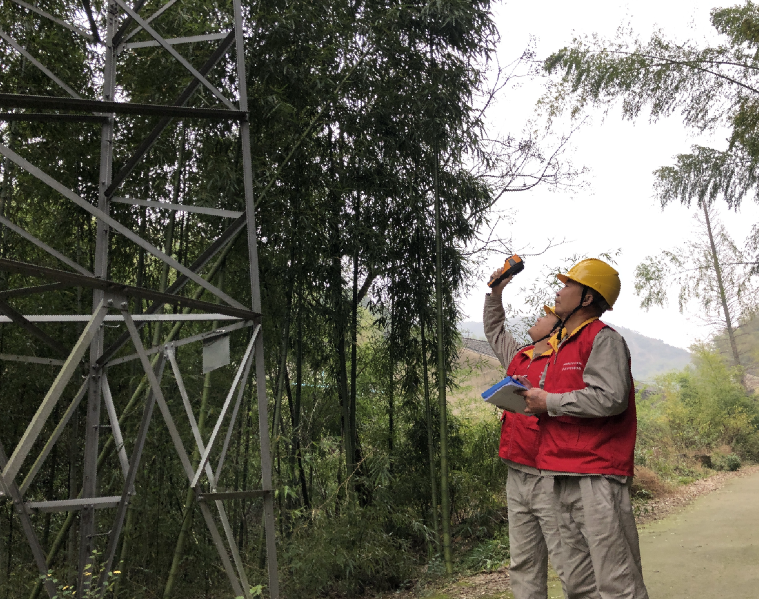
(347, 554)
(729, 462)
(692, 412)
(488, 555)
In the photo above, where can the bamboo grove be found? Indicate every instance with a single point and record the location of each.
(361, 112)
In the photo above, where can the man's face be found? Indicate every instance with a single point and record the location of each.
(542, 327)
(568, 298)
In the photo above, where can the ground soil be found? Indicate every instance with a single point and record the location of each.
(708, 549)
(669, 518)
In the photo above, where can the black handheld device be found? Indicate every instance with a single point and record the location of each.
(511, 267)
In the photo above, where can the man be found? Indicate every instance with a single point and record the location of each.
(533, 525)
(588, 428)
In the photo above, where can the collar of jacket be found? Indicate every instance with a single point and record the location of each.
(553, 341)
(531, 351)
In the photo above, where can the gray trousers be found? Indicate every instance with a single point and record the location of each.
(533, 534)
(599, 540)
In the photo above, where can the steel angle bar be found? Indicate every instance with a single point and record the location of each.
(178, 207)
(118, 439)
(156, 387)
(134, 463)
(151, 18)
(255, 288)
(233, 417)
(74, 279)
(31, 360)
(178, 40)
(153, 136)
(70, 505)
(229, 235)
(21, 291)
(141, 318)
(105, 106)
(61, 22)
(117, 226)
(219, 543)
(233, 548)
(171, 355)
(33, 330)
(266, 467)
(225, 407)
(16, 46)
(218, 495)
(119, 35)
(11, 488)
(185, 341)
(51, 116)
(41, 244)
(157, 37)
(91, 19)
(54, 437)
(52, 396)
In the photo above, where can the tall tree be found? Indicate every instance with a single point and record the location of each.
(709, 86)
(709, 271)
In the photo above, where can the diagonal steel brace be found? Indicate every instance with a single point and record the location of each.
(225, 407)
(52, 396)
(169, 48)
(152, 137)
(39, 555)
(116, 225)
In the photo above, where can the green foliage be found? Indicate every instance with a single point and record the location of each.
(709, 86)
(690, 271)
(92, 573)
(342, 547)
(488, 555)
(699, 410)
(730, 462)
(347, 554)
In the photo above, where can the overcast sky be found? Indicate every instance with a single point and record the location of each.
(617, 209)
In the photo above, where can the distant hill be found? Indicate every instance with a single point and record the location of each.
(650, 357)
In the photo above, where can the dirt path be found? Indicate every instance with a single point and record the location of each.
(702, 540)
(709, 549)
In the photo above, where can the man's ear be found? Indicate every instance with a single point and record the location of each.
(589, 299)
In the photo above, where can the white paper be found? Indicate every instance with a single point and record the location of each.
(507, 399)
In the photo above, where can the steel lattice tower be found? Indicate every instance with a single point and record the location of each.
(111, 300)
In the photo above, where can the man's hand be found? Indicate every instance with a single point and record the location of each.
(534, 397)
(499, 288)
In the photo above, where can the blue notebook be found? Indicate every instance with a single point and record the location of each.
(503, 395)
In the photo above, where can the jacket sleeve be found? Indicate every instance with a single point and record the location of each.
(608, 380)
(502, 342)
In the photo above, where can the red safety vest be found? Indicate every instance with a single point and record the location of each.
(584, 445)
(519, 433)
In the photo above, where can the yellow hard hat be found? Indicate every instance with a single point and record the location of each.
(597, 275)
(550, 311)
